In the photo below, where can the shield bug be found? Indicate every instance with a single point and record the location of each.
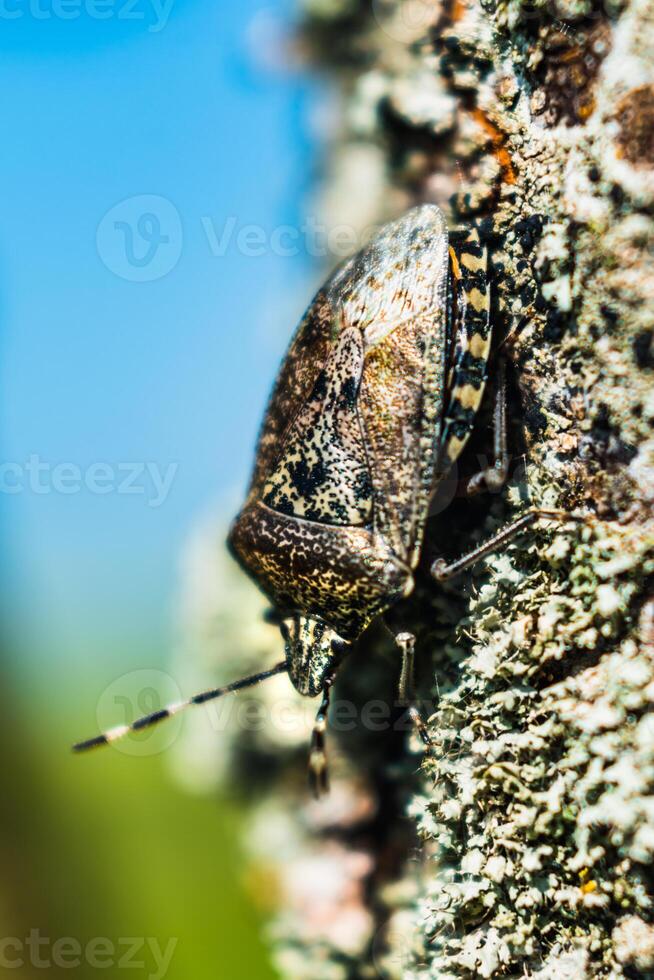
(374, 402)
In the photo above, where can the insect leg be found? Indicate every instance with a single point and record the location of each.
(442, 571)
(493, 478)
(147, 721)
(406, 691)
(318, 769)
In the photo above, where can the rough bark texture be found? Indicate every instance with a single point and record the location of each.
(523, 844)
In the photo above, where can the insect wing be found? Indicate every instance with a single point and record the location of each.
(396, 292)
(350, 434)
(322, 473)
(300, 368)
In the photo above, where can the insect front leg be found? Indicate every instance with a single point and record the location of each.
(406, 690)
(318, 769)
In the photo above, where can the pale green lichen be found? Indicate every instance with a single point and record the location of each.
(541, 813)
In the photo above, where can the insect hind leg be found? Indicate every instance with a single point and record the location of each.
(442, 571)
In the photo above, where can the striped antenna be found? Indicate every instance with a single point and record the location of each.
(173, 709)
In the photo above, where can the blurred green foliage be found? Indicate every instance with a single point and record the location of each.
(107, 846)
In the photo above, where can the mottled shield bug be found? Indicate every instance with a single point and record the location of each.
(374, 402)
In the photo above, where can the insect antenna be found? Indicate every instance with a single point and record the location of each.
(147, 721)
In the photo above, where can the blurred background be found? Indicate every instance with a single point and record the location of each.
(152, 150)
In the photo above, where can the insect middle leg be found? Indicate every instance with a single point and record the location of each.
(406, 690)
(492, 478)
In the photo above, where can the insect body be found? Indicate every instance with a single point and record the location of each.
(376, 397)
(374, 401)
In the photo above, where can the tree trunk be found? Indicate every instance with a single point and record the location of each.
(522, 844)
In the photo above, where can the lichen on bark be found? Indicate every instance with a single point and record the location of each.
(524, 845)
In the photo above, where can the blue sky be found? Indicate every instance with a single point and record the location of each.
(110, 360)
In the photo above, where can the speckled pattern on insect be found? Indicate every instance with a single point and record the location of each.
(348, 455)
